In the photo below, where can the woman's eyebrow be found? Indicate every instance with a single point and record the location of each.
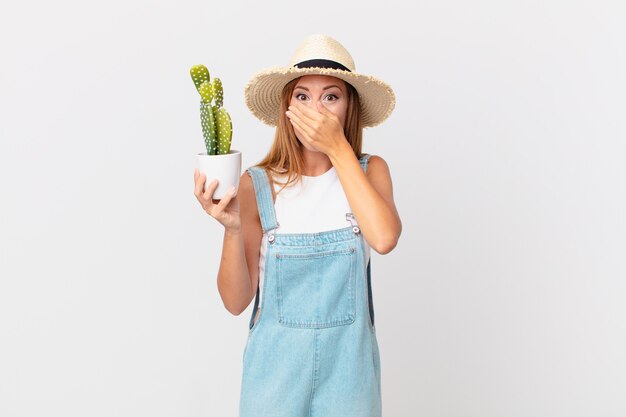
(325, 88)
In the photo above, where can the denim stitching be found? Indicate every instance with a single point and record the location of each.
(314, 239)
(315, 254)
(316, 360)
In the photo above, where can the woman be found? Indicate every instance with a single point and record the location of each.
(298, 234)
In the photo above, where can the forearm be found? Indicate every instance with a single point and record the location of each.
(233, 277)
(378, 221)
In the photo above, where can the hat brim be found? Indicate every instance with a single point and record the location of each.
(262, 93)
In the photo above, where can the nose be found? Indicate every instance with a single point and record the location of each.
(313, 103)
(322, 102)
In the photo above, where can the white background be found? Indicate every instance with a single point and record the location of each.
(504, 297)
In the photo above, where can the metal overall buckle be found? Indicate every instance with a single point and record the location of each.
(355, 226)
(270, 234)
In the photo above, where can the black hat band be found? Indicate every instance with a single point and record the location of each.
(321, 63)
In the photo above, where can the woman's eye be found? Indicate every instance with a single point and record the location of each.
(304, 95)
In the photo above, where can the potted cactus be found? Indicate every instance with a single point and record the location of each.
(219, 161)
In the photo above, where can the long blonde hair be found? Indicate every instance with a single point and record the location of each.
(285, 154)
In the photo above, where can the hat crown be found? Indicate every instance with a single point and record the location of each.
(322, 47)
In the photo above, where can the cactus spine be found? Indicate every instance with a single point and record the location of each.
(217, 127)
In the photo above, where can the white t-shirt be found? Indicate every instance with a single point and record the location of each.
(317, 204)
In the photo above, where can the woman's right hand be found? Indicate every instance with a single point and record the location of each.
(225, 211)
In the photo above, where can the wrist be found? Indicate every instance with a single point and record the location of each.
(232, 231)
(339, 152)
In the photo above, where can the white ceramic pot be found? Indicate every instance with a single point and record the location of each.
(225, 168)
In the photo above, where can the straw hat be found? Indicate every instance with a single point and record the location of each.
(318, 54)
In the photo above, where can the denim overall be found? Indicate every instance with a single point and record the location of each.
(312, 351)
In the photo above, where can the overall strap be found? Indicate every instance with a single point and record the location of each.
(363, 161)
(264, 199)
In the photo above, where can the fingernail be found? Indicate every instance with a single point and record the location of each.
(232, 190)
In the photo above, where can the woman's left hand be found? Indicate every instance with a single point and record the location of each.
(321, 129)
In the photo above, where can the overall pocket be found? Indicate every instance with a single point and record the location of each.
(316, 289)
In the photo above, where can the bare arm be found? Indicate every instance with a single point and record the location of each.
(237, 277)
(370, 196)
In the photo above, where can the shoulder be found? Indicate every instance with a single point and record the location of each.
(248, 184)
(377, 166)
(245, 182)
(379, 177)
(246, 194)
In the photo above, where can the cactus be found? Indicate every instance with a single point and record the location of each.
(199, 74)
(208, 128)
(217, 127)
(206, 92)
(218, 92)
(224, 131)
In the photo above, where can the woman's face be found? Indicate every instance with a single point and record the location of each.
(330, 91)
